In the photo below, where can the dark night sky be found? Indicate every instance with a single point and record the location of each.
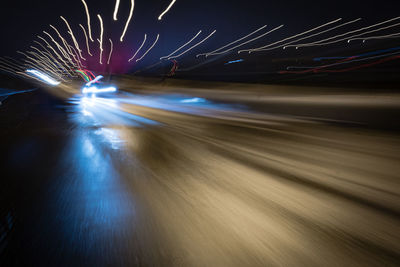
(22, 20)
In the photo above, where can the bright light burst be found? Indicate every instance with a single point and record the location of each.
(234, 42)
(166, 10)
(244, 43)
(327, 41)
(94, 89)
(291, 37)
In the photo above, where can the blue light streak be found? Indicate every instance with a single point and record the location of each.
(45, 78)
(234, 61)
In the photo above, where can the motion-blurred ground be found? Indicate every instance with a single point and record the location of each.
(182, 174)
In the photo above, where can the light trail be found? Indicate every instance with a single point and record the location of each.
(310, 36)
(64, 66)
(161, 58)
(137, 51)
(234, 42)
(88, 20)
(63, 52)
(199, 43)
(59, 47)
(234, 61)
(66, 44)
(94, 89)
(45, 62)
(389, 36)
(116, 9)
(148, 50)
(247, 42)
(319, 68)
(73, 38)
(128, 20)
(11, 64)
(44, 54)
(6, 69)
(166, 10)
(111, 50)
(324, 41)
(101, 38)
(291, 37)
(95, 80)
(43, 77)
(38, 64)
(87, 40)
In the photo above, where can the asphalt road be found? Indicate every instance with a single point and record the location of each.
(171, 180)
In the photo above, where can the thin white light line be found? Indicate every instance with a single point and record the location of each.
(199, 43)
(166, 10)
(181, 46)
(148, 50)
(137, 51)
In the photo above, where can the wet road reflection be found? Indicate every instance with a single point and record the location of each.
(174, 180)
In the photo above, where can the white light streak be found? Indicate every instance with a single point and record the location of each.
(234, 42)
(43, 77)
(128, 20)
(137, 51)
(58, 56)
(291, 37)
(313, 35)
(247, 42)
(181, 46)
(101, 38)
(73, 38)
(98, 78)
(94, 89)
(116, 9)
(324, 41)
(166, 10)
(63, 52)
(87, 40)
(66, 45)
(88, 20)
(199, 43)
(148, 50)
(50, 62)
(111, 50)
(394, 35)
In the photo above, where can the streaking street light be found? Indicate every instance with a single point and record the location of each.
(43, 77)
(93, 89)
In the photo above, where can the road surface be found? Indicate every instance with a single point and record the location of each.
(174, 180)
